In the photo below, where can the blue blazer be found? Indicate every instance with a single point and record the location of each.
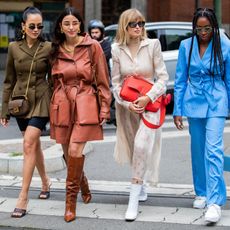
(201, 95)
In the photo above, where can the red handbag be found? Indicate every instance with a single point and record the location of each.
(136, 86)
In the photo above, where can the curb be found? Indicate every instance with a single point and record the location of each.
(52, 156)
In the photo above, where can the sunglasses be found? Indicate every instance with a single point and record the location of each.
(205, 29)
(135, 24)
(33, 26)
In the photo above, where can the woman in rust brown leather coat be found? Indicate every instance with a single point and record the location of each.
(75, 116)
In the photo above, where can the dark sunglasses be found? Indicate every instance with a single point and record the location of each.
(33, 26)
(135, 24)
(206, 29)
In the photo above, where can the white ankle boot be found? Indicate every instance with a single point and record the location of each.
(143, 194)
(131, 213)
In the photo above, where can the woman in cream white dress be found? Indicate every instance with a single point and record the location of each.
(134, 53)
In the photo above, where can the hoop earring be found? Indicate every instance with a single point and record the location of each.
(78, 31)
(62, 31)
(23, 34)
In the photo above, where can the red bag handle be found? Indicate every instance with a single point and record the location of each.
(165, 102)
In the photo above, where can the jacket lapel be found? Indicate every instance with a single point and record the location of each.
(30, 51)
(204, 62)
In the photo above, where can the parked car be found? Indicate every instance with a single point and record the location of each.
(170, 34)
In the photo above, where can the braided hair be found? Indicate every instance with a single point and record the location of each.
(216, 53)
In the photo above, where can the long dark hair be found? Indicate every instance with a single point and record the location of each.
(25, 13)
(59, 37)
(216, 53)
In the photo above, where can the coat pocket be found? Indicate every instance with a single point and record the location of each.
(87, 109)
(60, 109)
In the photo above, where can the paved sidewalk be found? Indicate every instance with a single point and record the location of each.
(111, 206)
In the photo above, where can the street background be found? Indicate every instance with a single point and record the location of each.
(168, 205)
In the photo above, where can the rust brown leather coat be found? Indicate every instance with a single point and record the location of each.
(76, 73)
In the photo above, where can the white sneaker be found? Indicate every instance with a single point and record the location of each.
(213, 213)
(199, 202)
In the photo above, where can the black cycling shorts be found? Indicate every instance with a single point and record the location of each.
(38, 122)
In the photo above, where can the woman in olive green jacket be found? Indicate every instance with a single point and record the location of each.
(29, 45)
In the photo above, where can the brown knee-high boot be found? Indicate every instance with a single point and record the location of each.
(74, 175)
(85, 192)
(84, 186)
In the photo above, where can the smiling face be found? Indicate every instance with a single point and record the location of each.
(33, 26)
(204, 29)
(70, 26)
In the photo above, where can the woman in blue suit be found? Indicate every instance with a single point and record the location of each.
(202, 94)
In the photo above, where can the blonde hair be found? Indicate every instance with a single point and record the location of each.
(130, 15)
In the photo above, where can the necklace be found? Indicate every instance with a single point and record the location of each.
(70, 48)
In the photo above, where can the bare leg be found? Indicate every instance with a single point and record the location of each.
(40, 165)
(30, 145)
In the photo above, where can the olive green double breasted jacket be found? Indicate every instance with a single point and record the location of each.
(18, 65)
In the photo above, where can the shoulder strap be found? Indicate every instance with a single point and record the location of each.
(92, 65)
(93, 70)
(166, 100)
(31, 67)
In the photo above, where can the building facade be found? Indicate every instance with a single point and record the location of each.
(106, 10)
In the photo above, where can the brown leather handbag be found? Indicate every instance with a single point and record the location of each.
(18, 106)
(87, 109)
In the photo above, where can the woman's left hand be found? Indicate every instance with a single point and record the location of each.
(103, 121)
(142, 101)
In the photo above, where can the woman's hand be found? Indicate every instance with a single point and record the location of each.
(103, 121)
(178, 121)
(4, 122)
(138, 106)
(142, 101)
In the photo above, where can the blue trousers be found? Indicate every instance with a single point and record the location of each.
(208, 158)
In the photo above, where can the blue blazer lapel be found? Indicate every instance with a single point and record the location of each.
(205, 60)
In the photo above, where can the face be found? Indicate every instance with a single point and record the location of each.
(33, 26)
(204, 29)
(135, 28)
(70, 26)
(95, 33)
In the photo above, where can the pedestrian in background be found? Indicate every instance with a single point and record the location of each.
(202, 94)
(134, 53)
(28, 45)
(75, 57)
(96, 30)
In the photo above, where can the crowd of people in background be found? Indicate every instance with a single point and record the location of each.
(73, 87)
